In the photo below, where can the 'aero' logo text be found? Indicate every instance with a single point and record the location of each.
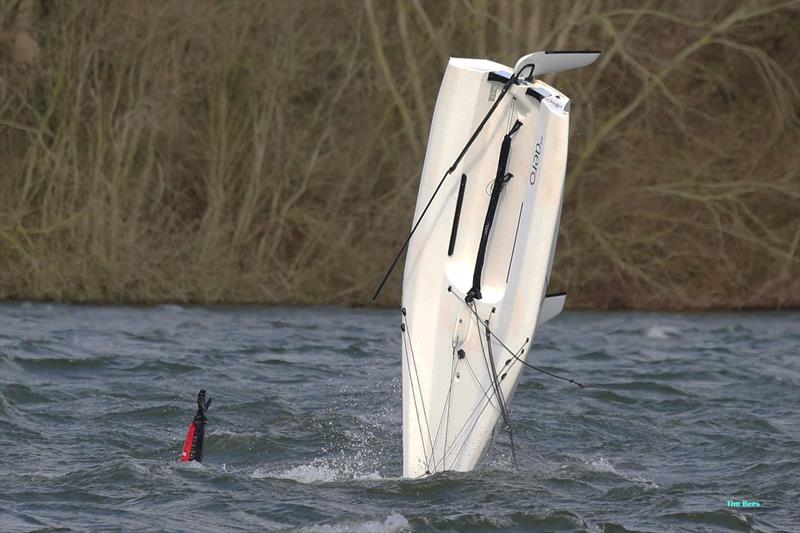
(537, 160)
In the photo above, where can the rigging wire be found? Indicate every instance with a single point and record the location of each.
(487, 396)
(477, 409)
(490, 367)
(446, 406)
(489, 333)
(515, 356)
(407, 333)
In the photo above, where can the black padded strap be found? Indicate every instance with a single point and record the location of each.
(500, 180)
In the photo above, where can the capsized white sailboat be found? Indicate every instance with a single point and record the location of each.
(479, 262)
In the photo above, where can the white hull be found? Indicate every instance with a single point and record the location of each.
(450, 403)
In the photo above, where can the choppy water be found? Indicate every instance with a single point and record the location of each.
(685, 413)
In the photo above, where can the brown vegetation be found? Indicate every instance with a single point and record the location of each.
(270, 152)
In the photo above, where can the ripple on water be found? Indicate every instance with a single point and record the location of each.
(394, 523)
(305, 429)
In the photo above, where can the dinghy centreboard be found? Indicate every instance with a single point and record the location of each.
(478, 265)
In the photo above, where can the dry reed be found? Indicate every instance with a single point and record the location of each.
(269, 152)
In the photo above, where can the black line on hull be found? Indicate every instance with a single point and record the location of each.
(459, 203)
(573, 51)
(499, 76)
(449, 171)
(536, 94)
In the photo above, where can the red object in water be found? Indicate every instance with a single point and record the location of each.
(186, 454)
(193, 445)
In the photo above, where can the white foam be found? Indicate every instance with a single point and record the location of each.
(242, 434)
(662, 332)
(172, 307)
(309, 474)
(138, 467)
(191, 465)
(394, 523)
(316, 473)
(601, 464)
(372, 476)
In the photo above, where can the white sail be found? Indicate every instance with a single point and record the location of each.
(453, 369)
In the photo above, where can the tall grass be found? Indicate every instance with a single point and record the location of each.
(270, 152)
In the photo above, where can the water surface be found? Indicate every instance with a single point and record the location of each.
(684, 413)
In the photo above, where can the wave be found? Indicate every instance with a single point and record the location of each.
(394, 523)
(658, 331)
(653, 387)
(236, 435)
(173, 308)
(66, 363)
(723, 519)
(162, 367)
(602, 465)
(595, 355)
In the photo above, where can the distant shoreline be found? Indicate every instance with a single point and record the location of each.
(381, 307)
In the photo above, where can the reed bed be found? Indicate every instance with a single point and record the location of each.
(269, 152)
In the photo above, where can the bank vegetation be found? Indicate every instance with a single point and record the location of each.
(269, 152)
